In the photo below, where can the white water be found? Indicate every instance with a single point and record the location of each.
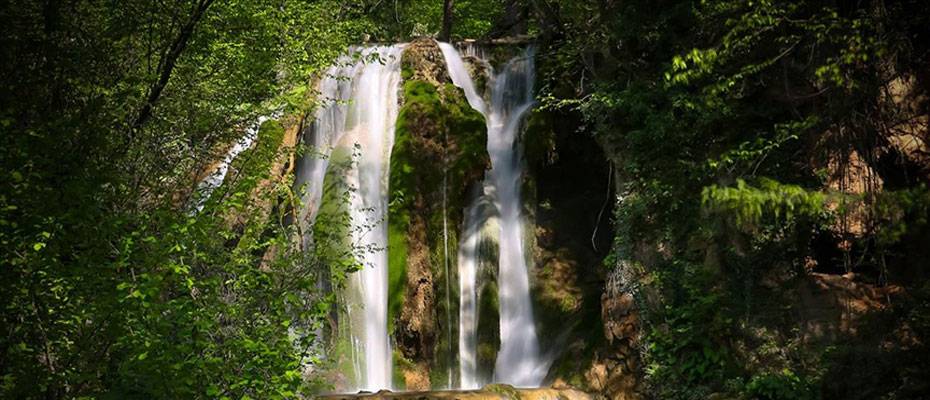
(511, 96)
(335, 89)
(468, 296)
(212, 181)
(360, 120)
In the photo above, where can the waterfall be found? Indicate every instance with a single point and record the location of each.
(511, 97)
(468, 295)
(336, 89)
(212, 181)
(360, 120)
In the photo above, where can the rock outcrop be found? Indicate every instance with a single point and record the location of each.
(489, 392)
(439, 153)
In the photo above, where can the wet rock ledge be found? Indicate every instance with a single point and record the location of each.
(488, 392)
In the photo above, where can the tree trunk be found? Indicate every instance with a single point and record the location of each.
(446, 34)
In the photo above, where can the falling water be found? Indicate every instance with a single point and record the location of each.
(361, 121)
(212, 181)
(335, 89)
(511, 97)
(468, 296)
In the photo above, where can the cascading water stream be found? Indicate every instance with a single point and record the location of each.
(511, 96)
(361, 121)
(336, 88)
(212, 181)
(468, 295)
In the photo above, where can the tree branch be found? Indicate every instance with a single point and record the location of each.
(166, 67)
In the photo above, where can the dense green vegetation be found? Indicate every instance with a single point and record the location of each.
(733, 126)
(735, 129)
(110, 286)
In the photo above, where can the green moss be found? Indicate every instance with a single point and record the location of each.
(438, 376)
(488, 328)
(418, 96)
(397, 265)
(252, 165)
(333, 243)
(406, 72)
(401, 364)
(447, 294)
(504, 390)
(538, 139)
(438, 137)
(341, 354)
(422, 111)
(470, 133)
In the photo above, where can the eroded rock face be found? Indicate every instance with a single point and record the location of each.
(591, 323)
(423, 61)
(416, 328)
(267, 162)
(616, 371)
(833, 306)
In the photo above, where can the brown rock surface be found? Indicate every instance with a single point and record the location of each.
(489, 392)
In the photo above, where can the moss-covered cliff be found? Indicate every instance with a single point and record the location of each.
(439, 153)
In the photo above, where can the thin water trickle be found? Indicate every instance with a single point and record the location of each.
(212, 181)
(468, 259)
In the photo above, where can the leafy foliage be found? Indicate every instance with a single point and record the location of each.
(109, 111)
(731, 125)
(748, 203)
(784, 385)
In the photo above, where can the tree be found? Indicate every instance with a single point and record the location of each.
(447, 15)
(109, 287)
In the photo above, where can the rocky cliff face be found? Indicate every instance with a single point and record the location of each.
(590, 322)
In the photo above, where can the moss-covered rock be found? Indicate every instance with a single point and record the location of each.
(251, 185)
(423, 61)
(439, 152)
